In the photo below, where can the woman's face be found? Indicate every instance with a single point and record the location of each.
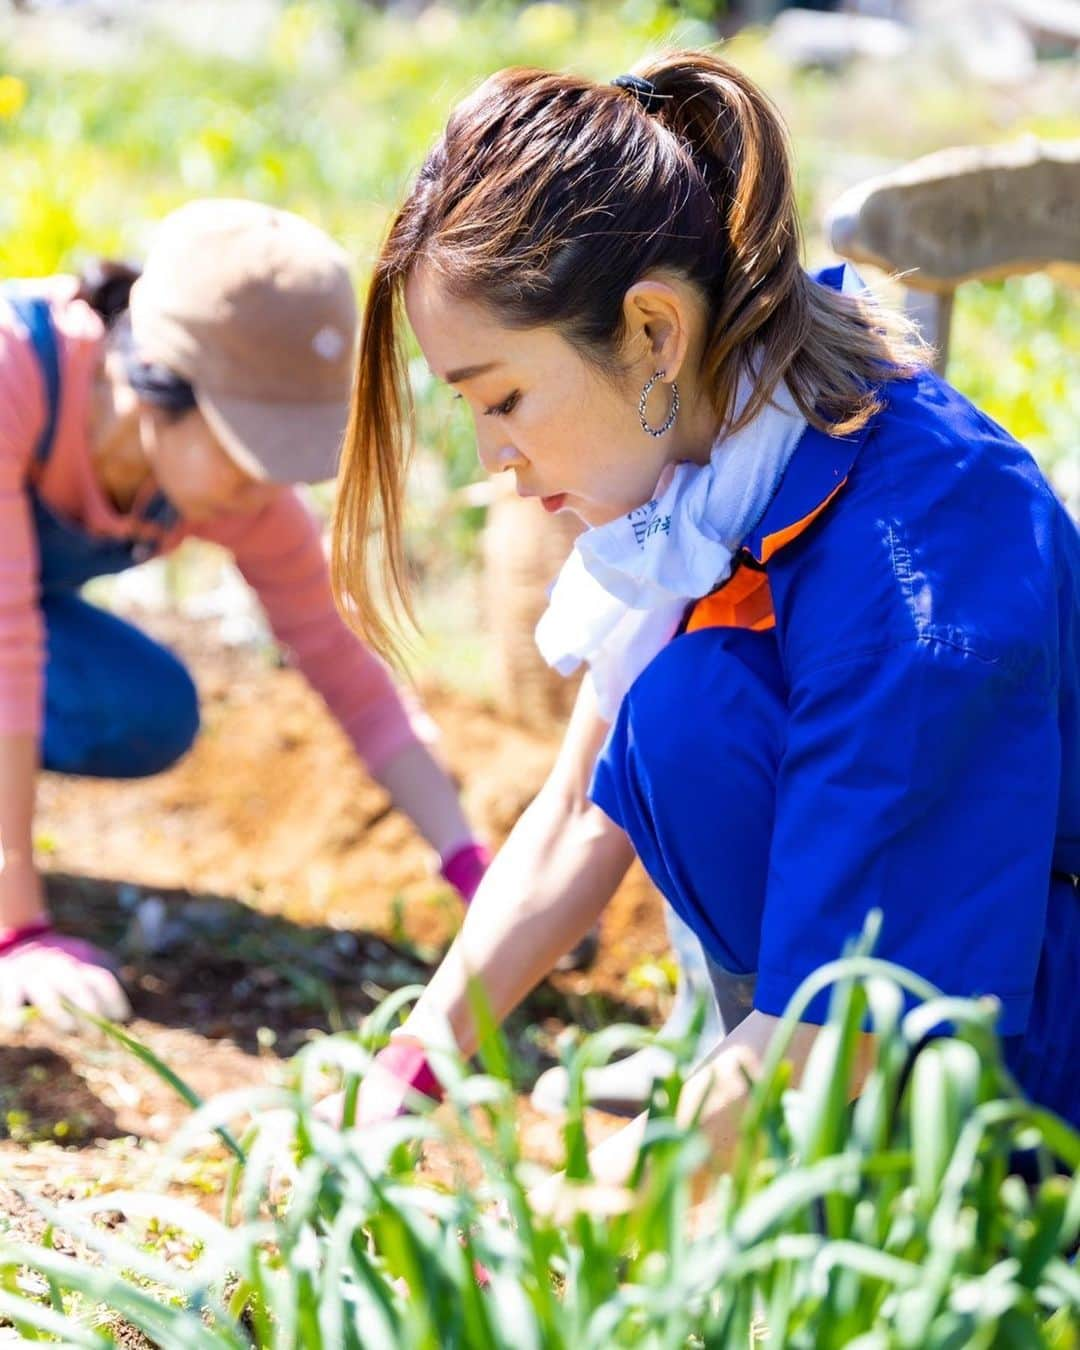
(570, 434)
(194, 470)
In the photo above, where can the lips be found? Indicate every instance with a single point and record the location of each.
(554, 501)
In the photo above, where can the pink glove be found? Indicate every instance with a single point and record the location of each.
(41, 967)
(464, 869)
(396, 1073)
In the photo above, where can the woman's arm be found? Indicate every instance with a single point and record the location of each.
(279, 553)
(544, 890)
(22, 633)
(21, 898)
(37, 966)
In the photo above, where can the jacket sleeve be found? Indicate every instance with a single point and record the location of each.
(920, 780)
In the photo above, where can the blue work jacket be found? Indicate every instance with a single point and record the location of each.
(923, 584)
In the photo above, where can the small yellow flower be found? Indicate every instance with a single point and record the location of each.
(12, 97)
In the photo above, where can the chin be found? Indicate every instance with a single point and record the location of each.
(595, 513)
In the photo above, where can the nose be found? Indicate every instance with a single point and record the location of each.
(497, 457)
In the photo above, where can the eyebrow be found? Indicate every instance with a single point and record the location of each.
(468, 372)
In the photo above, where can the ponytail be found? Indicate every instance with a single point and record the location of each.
(832, 350)
(374, 465)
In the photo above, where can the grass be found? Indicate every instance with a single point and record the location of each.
(893, 1222)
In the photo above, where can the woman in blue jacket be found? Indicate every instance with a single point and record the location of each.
(831, 611)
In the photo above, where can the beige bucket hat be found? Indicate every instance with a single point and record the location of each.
(254, 307)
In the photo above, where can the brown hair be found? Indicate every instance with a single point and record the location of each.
(547, 197)
(105, 285)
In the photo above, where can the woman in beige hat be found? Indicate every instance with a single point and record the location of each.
(130, 419)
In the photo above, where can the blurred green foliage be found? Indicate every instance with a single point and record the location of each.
(333, 104)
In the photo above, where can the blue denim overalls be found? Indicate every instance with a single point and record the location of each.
(117, 704)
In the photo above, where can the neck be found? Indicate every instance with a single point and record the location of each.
(116, 450)
(701, 428)
(696, 430)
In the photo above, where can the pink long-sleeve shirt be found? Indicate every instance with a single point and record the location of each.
(278, 550)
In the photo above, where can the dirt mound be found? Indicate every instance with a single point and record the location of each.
(271, 807)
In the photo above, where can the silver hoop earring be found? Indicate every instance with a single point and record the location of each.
(673, 411)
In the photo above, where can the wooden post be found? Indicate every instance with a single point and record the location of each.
(523, 550)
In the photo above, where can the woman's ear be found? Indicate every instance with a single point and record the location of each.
(657, 320)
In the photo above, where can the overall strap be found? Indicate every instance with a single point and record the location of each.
(33, 313)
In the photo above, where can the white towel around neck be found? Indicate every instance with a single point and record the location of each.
(623, 591)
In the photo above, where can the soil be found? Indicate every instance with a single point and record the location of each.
(291, 898)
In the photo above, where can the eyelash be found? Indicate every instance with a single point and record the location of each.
(503, 409)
